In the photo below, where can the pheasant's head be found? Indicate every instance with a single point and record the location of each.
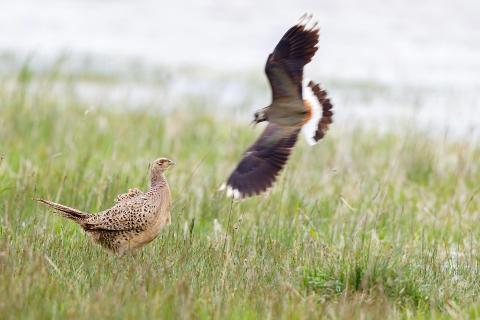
(161, 164)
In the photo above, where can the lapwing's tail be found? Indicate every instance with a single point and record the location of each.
(321, 113)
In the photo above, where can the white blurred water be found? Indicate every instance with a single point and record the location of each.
(430, 49)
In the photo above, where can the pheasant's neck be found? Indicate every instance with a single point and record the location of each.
(157, 179)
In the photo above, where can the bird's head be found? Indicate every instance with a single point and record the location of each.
(260, 116)
(161, 164)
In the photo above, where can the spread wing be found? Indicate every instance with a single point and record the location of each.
(125, 215)
(262, 162)
(284, 67)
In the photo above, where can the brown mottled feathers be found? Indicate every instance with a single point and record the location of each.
(284, 67)
(327, 112)
(124, 215)
(130, 194)
(262, 162)
(134, 220)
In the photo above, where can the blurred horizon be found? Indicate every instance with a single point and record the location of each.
(423, 55)
(403, 42)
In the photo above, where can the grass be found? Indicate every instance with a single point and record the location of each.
(363, 225)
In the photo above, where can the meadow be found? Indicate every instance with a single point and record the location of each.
(365, 224)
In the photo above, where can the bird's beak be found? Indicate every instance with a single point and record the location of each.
(172, 163)
(253, 123)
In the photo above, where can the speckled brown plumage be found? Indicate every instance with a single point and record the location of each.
(134, 220)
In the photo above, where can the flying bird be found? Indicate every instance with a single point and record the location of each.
(296, 106)
(136, 218)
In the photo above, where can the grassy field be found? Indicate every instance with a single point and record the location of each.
(363, 225)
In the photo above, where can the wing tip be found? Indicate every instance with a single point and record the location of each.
(307, 22)
(231, 192)
(236, 194)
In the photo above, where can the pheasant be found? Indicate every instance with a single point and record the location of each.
(296, 106)
(136, 218)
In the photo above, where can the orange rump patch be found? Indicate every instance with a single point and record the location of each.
(308, 114)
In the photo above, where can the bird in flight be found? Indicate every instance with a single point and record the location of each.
(136, 218)
(296, 106)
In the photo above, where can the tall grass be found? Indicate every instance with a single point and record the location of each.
(362, 225)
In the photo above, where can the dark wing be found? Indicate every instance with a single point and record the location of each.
(327, 112)
(262, 162)
(284, 67)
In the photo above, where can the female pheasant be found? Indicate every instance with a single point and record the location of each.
(136, 218)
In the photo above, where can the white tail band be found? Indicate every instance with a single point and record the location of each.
(310, 127)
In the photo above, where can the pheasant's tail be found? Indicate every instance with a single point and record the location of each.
(65, 211)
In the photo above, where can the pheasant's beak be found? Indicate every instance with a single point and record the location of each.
(253, 123)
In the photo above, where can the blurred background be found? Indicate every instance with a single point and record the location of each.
(383, 63)
(381, 218)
